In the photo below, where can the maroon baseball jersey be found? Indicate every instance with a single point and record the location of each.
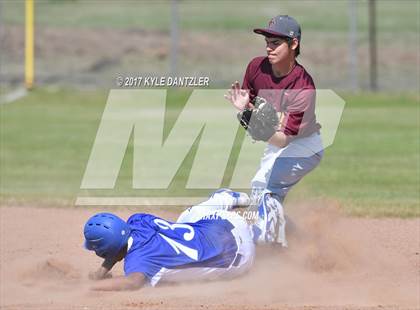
(293, 95)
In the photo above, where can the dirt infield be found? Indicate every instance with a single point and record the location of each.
(332, 262)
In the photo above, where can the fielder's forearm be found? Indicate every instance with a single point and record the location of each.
(279, 139)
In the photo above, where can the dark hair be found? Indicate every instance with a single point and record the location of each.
(289, 43)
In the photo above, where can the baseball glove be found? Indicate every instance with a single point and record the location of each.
(261, 122)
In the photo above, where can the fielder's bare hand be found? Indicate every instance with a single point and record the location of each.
(238, 97)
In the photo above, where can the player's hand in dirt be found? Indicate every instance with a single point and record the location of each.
(238, 97)
(99, 274)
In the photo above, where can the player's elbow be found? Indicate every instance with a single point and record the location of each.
(135, 281)
(133, 286)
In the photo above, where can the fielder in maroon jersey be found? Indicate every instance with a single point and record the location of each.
(296, 148)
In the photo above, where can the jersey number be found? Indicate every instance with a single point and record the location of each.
(178, 247)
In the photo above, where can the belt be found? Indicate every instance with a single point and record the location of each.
(237, 260)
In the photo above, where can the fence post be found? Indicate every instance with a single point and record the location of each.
(29, 44)
(174, 38)
(353, 64)
(372, 46)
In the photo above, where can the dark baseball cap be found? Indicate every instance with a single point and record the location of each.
(281, 26)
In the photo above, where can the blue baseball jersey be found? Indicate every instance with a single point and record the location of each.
(157, 246)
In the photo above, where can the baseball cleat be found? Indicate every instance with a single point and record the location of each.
(271, 223)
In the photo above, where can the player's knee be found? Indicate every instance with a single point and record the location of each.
(184, 217)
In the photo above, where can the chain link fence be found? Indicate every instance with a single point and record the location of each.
(85, 43)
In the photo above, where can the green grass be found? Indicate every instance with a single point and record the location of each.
(393, 16)
(373, 166)
(371, 169)
(45, 141)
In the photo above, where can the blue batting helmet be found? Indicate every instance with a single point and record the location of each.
(106, 234)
